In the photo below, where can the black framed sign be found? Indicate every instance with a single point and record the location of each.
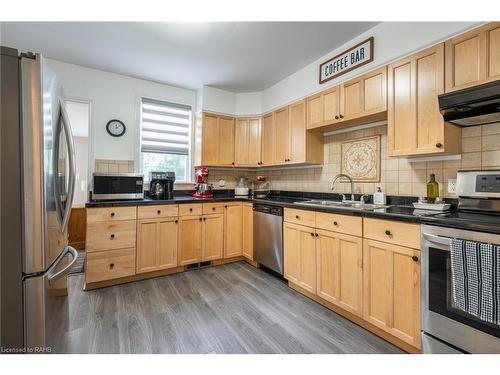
(353, 58)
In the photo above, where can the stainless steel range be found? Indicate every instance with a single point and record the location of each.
(447, 328)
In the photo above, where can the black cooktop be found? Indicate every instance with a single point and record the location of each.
(485, 222)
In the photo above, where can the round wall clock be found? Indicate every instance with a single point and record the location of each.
(115, 128)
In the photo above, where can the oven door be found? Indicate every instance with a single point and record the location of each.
(440, 317)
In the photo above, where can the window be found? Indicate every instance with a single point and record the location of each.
(165, 138)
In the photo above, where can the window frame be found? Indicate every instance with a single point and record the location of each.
(139, 153)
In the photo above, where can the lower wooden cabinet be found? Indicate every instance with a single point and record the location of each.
(190, 239)
(212, 243)
(392, 289)
(109, 265)
(233, 229)
(300, 255)
(156, 244)
(340, 270)
(248, 230)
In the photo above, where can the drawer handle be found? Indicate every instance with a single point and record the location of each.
(112, 236)
(112, 214)
(111, 266)
(191, 210)
(297, 217)
(414, 258)
(225, 206)
(213, 208)
(159, 212)
(388, 232)
(335, 223)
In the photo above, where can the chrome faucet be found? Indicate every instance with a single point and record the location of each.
(332, 186)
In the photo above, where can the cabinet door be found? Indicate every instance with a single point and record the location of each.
(147, 241)
(268, 139)
(473, 58)
(282, 138)
(210, 139)
(167, 243)
(392, 289)
(297, 149)
(248, 230)
(190, 228)
(233, 230)
(331, 105)
(254, 142)
(340, 270)
(291, 249)
(242, 141)
(226, 141)
(314, 111)
(213, 237)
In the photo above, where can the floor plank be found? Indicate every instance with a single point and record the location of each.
(232, 308)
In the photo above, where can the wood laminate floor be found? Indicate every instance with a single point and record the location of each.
(233, 308)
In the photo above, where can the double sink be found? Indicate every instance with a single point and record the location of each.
(350, 205)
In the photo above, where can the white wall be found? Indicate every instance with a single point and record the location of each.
(392, 41)
(82, 165)
(115, 96)
(229, 103)
(248, 103)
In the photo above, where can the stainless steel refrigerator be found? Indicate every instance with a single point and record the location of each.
(37, 186)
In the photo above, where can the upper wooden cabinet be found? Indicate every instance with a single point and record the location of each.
(268, 139)
(215, 137)
(282, 139)
(247, 142)
(473, 58)
(359, 100)
(415, 126)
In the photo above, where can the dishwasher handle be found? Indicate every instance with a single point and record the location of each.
(268, 209)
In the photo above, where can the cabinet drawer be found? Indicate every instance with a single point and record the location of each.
(302, 217)
(108, 265)
(394, 232)
(213, 208)
(190, 209)
(111, 235)
(340, 223)
(152, 212)
(95, 215)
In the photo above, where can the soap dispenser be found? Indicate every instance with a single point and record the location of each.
(379, 197)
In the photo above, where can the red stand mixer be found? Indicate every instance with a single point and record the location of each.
(202, 187)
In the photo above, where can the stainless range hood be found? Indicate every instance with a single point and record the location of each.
(477, 105)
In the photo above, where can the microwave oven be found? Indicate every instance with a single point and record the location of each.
(106, 186)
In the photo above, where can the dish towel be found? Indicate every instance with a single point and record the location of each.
(475, 269)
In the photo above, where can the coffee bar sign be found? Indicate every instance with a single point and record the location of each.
(353, 58)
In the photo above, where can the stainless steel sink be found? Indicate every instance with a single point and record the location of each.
(338, 204)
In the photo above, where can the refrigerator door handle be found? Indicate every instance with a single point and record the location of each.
(63, 214)
(54, 276)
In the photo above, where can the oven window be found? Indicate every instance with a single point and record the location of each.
(441, 295)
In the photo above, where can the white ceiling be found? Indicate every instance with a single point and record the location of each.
(234, 56)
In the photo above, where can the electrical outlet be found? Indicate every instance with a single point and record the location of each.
(452, 185)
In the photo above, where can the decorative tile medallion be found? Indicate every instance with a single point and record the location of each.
(361, 159)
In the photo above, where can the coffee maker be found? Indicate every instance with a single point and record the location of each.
(161, 185)
(202, 187)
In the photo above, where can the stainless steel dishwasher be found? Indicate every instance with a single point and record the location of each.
(268, 236)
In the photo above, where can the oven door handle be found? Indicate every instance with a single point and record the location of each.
(443, 243)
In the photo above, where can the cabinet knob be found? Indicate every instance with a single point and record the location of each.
(232, 163)
(335, 223)
(414, 258)
(312, 234)
(316, 234)
(200, 219)
(112, 214)
(112, 236)
(159, 212)
(297, 217)
(176, 221)
(341, 116)
(191, 210)
(336, 117)
(204, 219)
(225, 206)
(439, 145)
(388, 232)
(111, 266)
(213, 208)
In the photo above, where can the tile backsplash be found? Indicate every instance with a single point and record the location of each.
(112, 166)
(399, 176)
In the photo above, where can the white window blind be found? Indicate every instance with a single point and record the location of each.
(165, 127)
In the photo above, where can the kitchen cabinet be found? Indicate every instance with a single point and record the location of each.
(156, 244)
(391, 282)
(268, 139)
(213, 237)
(247, 142)
(473, 57)
(340, 270)
(248, 230)
(190, 239)
(300, 255)
(415, 126)
(357, 101)
(282, 139)
(215, 140)
(233, 230)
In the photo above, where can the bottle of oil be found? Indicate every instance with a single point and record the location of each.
(432, 189)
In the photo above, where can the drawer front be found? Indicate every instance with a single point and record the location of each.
(301, 217)
(213, 208)
(111, 235)
(95, 215)
(340, 223)
(108, 265)
(152, 212)
(190, 209)
(394, 232)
